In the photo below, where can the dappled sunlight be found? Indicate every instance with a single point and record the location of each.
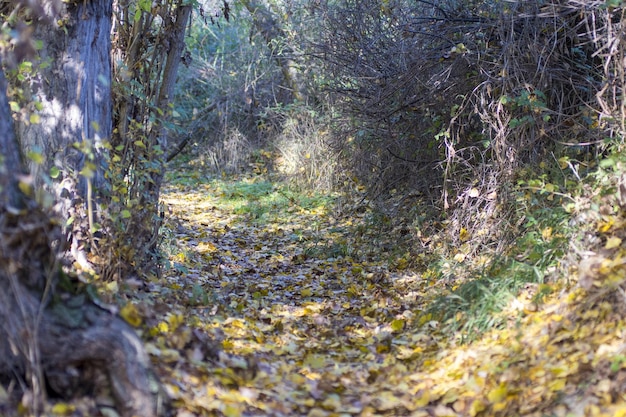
(270, 311)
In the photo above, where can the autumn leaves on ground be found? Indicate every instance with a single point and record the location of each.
(278, 303)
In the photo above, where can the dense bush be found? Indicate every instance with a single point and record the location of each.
(453, 100)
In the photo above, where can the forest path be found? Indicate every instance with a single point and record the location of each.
(303, 326)
(273, 307)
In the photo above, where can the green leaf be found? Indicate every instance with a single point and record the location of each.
(54, 172)
(34, 119)
(607, 163)
(125, 214)
(87, 172)
(36, 157)
(145, 5)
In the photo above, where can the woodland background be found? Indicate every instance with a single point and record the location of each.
(458, 166)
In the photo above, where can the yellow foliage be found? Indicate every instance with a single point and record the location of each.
(63, 409)
(131, 315)
(613, 242)
(397, 325)
(498, 394)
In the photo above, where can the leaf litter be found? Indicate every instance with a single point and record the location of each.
(280, 311)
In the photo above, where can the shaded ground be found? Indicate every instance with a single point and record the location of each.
(273, 307)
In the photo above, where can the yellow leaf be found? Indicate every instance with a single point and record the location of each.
(175, 320)
(163, 327)
(423, 400)
(112, 287)
(26, 188)
(232, 410)
(546, 233)
(204, 247)
(130, 313)
(451, 396)
(476, 407)
(498, 394)
(63, 409)
(499, 406)
(474, 193)
(613, 242)
(305, 292)
(557, 384)
(620, 412)
(332, 402)
(557, 317)
(606, 225)
(382, 348)
(464, 235)
(459, 257)
(397, 325)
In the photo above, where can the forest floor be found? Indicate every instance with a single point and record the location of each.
(274, 304)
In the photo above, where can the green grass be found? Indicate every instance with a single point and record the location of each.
(263, 200)
(477, 295)
(472, 307)
(255, 197)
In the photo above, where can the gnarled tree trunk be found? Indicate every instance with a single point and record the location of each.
(45, 335)
(48, 337)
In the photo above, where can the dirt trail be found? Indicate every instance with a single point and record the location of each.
(321, 332)
(268, 310)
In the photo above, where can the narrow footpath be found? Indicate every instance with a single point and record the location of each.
(271, 306)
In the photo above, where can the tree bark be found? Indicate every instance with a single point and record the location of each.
(46, 334)
(75, 93)
(75, 124)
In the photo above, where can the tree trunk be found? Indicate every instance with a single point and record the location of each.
(276, 41)
(75, 117)
(148, 50)
(47, 335)
(159, 134)
(75, 93)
